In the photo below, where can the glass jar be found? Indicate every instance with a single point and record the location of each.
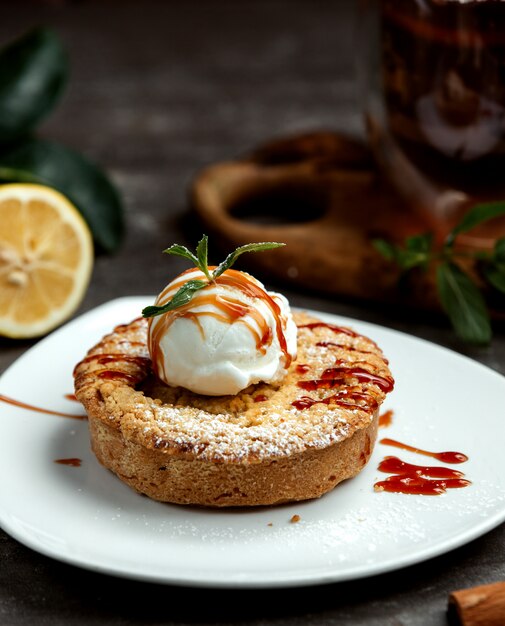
(434, 95)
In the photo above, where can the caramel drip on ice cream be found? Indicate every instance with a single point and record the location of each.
(227, 310)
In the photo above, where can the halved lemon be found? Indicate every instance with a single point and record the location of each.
(46, 258)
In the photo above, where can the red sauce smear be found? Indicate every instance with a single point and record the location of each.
(302, 368)
(445, 457)
(31, 407)
(72, 462)
(417, 485)
(386, 419)
(394, 465)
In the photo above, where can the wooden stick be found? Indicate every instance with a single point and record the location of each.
(478, 606)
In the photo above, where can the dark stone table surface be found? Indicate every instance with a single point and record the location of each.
(158, 90)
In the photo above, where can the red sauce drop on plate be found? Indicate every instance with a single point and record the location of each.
(386, 419)
(73, 462)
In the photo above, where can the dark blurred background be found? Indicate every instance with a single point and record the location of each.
(158, 90)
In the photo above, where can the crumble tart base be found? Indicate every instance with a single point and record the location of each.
(254, 448)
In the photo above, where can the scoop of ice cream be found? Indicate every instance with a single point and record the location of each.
(231, 334)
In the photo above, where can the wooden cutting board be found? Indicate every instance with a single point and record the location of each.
(322, 196)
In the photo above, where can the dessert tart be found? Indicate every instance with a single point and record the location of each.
(292, 438)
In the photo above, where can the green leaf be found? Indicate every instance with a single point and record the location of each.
(33, 72)
(250, 247)
(202, 254)
(386, 248)
(495, 275)
(464, 304)
(86, 186)
(178, 250)
(408, 259)
(499, 250)
(416, 252)
(478, 214)
(419, 243)
(181, 297)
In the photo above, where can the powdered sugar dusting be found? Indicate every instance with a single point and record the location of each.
(236, 428)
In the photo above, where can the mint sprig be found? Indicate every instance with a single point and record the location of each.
(185, 293)
(459, 296)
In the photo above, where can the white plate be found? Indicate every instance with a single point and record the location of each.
(86, 516)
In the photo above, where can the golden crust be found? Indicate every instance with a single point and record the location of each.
(250, 449)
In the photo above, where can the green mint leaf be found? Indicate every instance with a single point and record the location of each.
(495, 275)
(386, 248)
(419, 243)
(478, 214)
(33, 72)
(499, 250)
(463, 303)
(181, 297)
(250, 247)
(202, 254)
(187, 291)
(178, 250)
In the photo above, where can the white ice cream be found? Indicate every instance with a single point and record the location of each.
(226, 338)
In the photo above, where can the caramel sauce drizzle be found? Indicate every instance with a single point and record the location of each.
(302, 368)
(341, 373)
(31, 407)
(229, 310)
(335, 376)
(445, 457)
(333, 327)
(351, 398)
(108, 360)
(386, 419)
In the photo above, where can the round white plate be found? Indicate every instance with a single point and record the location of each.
(86, 516)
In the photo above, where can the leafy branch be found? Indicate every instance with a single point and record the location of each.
(459, 296)
(33, 74)
(185, 293)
